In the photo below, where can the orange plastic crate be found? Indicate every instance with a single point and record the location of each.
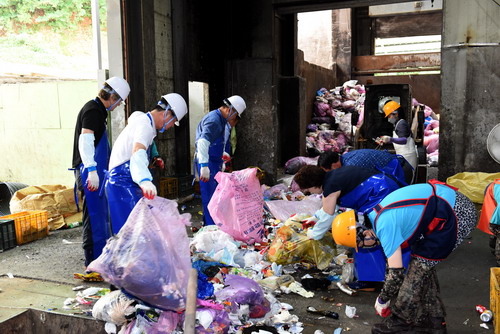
(30, 225)
(169, 187)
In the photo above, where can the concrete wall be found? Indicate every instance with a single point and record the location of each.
(37, 122)
(164, 77)
(314, 37)
(470, 86)
(316, 77)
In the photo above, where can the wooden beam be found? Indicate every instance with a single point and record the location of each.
(301, 6)
(396, 63)
(423, 24)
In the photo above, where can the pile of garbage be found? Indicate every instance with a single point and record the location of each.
(336, 112)
(241, 274)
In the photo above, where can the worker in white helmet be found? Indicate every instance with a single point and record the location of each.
(129, 178)
(90, 159)
(210, 147)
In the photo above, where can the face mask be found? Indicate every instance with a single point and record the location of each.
(166, 123)
(392, 120)
(361, 238)
(231, 114)
(114, 104)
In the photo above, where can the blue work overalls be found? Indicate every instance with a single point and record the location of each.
(96, 202)
(215, 152)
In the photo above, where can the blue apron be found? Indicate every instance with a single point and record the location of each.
(395, 169)
(123, 193)
(369, 193)
(207, 189)
(97, 205)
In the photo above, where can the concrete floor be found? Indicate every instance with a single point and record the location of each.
(43, 278)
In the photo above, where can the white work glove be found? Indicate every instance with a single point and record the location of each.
(225, 158)
(323, 224)
(310, 233)
(382, 309)
(93, 181)
(205, 174)
(148, 189)
(385, 139)
(309, 222)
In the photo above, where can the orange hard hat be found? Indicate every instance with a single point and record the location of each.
(390, 107)
(344, 229)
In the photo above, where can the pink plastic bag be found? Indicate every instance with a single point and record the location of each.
(149, 258)
(237, 205)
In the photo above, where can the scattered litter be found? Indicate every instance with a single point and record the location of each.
(69, 301)
(298, 289)
(286, 306)
(110, 328)
(90, 277)
(484, 326)
(337, 331)
(78, 288)
(329, 314)
(10, 275)
(318, 332)
(344, 288)
(466, 321)
(67, 242)
(350, 311)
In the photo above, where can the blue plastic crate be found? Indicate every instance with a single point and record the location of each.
(370, 263)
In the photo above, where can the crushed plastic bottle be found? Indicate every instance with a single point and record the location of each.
(74, 224)
(329, 314)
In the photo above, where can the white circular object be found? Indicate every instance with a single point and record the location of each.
(493, 143)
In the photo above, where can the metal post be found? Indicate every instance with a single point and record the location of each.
(96, 30)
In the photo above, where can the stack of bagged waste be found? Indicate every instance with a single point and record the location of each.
(332, 122)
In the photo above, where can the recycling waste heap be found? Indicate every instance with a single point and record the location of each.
(244, 263)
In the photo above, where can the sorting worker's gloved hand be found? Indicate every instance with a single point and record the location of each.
(204, 174)
(148, 189)
(322, 225)
(385, 139)
(93, 181)
(226, 158)
(382, 308)
(158, 162)
(309, 222)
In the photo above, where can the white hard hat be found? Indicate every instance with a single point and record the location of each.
(237, 103)
(120, 86)
(177, 105)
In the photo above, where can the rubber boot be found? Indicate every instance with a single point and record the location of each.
(432, 326)
(392, 325)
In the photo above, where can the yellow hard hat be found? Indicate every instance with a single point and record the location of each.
(344, 229)
(391, 107)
